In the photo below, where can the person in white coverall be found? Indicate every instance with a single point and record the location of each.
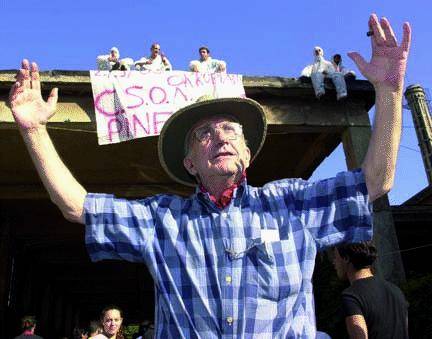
(112, 61)
(321, 69)
(339, 67)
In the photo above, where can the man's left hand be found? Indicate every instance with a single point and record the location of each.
(387, 66)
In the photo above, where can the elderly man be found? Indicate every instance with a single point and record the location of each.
(206, 64)
(321, 69)
(156, 62)
(231, 260)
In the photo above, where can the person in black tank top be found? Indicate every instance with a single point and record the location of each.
(372, 307)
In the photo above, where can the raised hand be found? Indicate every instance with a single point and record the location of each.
(388, 63)
(28, 108)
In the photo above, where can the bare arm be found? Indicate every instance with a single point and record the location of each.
(356, 327)
(386, 72)
(166, 62)
(31, 113)
(222, 66)
(193, 66)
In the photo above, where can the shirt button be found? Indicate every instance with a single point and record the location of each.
(229, 320)
(228, 279)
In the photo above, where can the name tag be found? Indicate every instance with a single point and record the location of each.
(269, 235)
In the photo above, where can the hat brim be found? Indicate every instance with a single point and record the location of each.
(248, 112)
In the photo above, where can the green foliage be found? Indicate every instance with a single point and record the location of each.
(418, 292)
(130, 330)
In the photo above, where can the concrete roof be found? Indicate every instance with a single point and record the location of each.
(303, 131)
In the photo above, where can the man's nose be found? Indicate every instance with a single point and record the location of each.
(220, 135)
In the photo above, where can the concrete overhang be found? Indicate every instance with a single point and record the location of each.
(303, 131)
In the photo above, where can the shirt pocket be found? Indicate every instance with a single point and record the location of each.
(277, 270)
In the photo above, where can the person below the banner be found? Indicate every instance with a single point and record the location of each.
(28, 324)
(231, 260)
(206, 64)
(112, 61)
(372, 307)
(156, 62)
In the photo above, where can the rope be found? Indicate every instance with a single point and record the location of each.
(407, 249)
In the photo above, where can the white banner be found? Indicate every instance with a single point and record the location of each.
(133, 104)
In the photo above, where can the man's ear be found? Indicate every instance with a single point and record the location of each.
(190, 167)
(248, 157)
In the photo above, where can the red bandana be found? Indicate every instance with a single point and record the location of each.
(226, 196)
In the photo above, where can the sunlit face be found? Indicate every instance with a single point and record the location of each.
(340, 265)
(155, 50)
(203, 54)
(112, 321)
(217, 148)
(318, 51)
(114, 54)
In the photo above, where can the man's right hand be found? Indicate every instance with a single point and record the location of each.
(32, 113)
(28, 108)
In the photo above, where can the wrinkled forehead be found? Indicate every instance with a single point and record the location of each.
(213, 120)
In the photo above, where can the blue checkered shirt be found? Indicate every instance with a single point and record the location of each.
(215, 275)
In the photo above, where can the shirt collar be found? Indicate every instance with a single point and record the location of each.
(226, 196)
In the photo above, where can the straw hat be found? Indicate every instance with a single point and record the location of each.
(171, 144)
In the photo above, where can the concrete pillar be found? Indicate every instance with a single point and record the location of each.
(5, 240)
(46, 305)
(69, 317)
(59, 314)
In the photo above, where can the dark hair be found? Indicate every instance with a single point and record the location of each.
(145, 326)
(94, 326)
(337, 56)
(28, 322)
(204, 47)
(78, 332)
(108, 308)
(360, 255)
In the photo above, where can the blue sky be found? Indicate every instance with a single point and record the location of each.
(254, 37)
